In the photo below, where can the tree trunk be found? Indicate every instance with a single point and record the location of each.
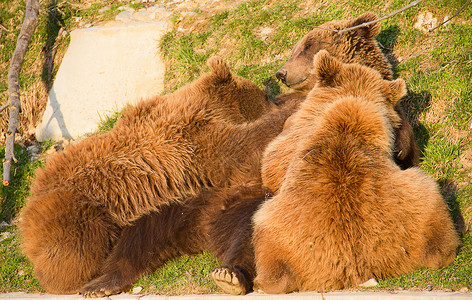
(27, 29)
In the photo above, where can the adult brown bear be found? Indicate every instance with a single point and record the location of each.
(356, 46)
(334, 81)
(345, 211)
(90, 199)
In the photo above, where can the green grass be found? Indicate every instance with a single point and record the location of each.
(16, 272)
(436, 66)
(184, 275)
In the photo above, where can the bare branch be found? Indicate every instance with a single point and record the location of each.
(342, 31)
(4, 106)
(29, 25)
(455, 15)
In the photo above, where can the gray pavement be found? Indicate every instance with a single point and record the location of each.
(400, 295)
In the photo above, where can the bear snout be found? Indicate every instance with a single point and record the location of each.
(281, 75)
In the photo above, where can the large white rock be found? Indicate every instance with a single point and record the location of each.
(103, 69)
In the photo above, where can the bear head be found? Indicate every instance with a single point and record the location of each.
(243, 99)
(358, 45)
(335, 79)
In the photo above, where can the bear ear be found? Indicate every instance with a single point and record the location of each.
(367, 31)
(326, 67)
(219, 68)
(396, 90)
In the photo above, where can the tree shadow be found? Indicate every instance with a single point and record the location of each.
(54, 27)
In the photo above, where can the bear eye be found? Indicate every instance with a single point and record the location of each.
(308, 45)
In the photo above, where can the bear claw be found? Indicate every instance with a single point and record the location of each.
(97, 294)
(229, 280)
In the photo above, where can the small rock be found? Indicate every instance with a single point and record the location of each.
(21, 273)
(103, 9)
(425, 22)
(5, 235)
(137, 290)
(124, 16)
(266, 31)
(33, 150)
(142, 15)
(4, 224)
(369, 283)
(464, 290)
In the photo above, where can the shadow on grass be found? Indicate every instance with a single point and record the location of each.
(53, 28)
(449, 191)
(387, 39)
(414, 104)
(272, 88)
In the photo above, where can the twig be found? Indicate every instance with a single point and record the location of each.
(29, 25)
(383, 47)
(4, 106)
(455, 15)
(342, 31)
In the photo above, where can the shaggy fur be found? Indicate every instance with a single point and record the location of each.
(92, 198)
(230, 236)
(345, 211)
(345, 80)
(356, 46)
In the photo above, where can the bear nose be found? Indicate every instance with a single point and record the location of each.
(281, 74)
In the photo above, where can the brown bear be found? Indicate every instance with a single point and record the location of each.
(141, 174)
(355, 46)
(345, 211)
(199, 224)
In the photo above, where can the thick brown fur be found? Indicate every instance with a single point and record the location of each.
(335, 79)
(356, 46)
(345, 211)
(161, 153)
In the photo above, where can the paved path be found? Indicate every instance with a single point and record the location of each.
(401, 295)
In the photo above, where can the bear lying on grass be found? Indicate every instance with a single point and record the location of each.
(90, 203)
(345, 211)
(355, 46)
(298, 73)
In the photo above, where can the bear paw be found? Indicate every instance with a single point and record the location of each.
(231, 280)
(102, 287)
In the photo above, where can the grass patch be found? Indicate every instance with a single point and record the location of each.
(184, 275)
(255, 38)
(16, 273)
